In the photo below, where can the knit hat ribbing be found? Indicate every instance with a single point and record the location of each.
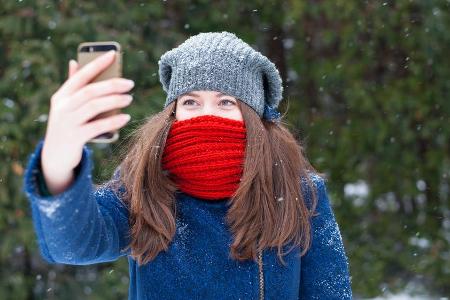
(220, 61)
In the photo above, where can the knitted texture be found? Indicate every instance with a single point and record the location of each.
(204, 155)
(220, 61)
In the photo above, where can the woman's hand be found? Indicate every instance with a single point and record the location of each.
(71, 107)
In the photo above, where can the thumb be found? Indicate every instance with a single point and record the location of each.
(73, 67)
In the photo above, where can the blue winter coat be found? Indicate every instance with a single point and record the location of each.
(87, 224)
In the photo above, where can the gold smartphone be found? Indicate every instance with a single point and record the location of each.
(87, 52)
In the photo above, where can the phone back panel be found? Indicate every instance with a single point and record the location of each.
(113, 70)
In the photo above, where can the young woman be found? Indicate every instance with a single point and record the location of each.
(213, 198)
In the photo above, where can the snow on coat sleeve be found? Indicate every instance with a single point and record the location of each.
(325, 268)
(81, 225)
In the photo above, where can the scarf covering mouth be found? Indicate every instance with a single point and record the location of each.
(205, 156)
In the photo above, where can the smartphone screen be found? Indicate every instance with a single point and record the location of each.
(87, 52)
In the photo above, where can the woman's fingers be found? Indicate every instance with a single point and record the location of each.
(73, 67)
(87, 73)
(94, 128)
(99, 89)
(68, 124)
(100, 105)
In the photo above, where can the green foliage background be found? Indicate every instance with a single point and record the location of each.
(366, 90)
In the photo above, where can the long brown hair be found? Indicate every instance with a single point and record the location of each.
(267, 210)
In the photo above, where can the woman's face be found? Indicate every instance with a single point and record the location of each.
(198, 103)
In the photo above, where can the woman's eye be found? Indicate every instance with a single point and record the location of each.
(188, 100)
(230, 101)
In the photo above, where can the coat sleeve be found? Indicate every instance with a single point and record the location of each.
(325, 268)
(81, 225)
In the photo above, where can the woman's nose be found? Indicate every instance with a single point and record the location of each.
(208, 110)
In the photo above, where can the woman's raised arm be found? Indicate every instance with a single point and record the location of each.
(81, 225)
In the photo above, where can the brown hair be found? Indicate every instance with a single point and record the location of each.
(267, 209)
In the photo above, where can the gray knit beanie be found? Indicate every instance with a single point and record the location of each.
(220, 61)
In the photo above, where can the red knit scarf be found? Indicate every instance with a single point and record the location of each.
(204, 155)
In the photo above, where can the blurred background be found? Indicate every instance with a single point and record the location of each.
(366, 90)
